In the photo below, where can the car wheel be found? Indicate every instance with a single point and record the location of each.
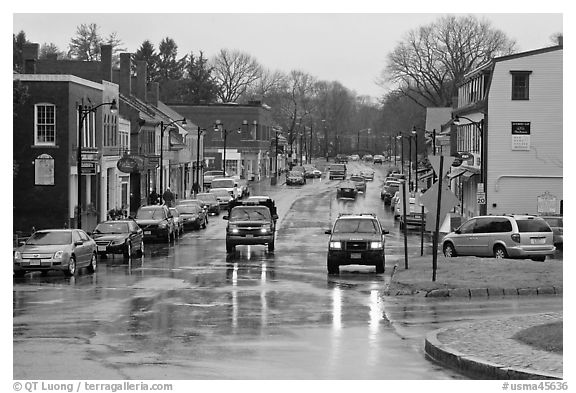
(333, 268)
(230, 247)
(71, 268)
(271, 246)
(92, 265)
(19, 273)
(500, 252)
(128, 250)
(140, 252)
(449, 250)
(380, 267)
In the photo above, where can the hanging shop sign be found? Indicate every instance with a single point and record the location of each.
(130, 164)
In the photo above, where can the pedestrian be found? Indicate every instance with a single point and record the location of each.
(168, 197)
(196, 188)
(153, 197)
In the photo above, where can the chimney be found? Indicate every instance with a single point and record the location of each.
(141, 79)
(560, 40)
(30, 57)
(125, 79)
(153, 93)
(52, 56)
(106, 62)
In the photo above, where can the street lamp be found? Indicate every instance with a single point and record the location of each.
(162, 129)
(483, 168)
(365, 129)
(433, 132)
(325, 139)
(219, 127)
(399, 137)
(198, 185)
(415, 133)
(83, 111)
(278, 132)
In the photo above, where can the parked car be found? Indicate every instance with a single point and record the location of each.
(193, 215)
(387, 192)
(223, 197)
(354, 157)
(119, 237)
(556, 223)
(368, 175)
(378, 159)
(157, 223)
(414, 214)
(178, 224)
(341, 159)
(311, 172)
(508, 236)
(66, 250)
(367, 158)
(356, 239)
(210, 202)
(360, 183)
(347, 189)
(399, 176)
(250, 224)
(295, 178)
(394, 201)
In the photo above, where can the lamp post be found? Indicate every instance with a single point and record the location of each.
(415, 133)
(325, 139)
(162, 129)
(219, 127)
(83, 111)
(433, 132)
(399, 137)
(198, 185)
(483, 168)
(358, 137)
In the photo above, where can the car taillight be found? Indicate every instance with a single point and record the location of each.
(515, 237)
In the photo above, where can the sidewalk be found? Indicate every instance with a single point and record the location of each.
(486, 349)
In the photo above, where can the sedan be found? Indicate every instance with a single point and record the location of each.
(347, 189)
(295, 177)
(223, 197)
(210, 202)
(368, 175)
(66, 250)
(119, 237)
(193, 215)
(360, 183)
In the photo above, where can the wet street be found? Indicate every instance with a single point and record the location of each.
(190, 311)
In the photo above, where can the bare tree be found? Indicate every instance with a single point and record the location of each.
(428, 65)
(269, 83)
(235, 72)
(51, 49)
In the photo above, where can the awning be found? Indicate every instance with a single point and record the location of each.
(468, 175)
(426, 175)
(456, 172)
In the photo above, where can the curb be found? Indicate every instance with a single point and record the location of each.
(474, 366)
(481, 292)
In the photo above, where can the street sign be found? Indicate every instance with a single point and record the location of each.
(89, 168)
(481, 198)
(430, 199)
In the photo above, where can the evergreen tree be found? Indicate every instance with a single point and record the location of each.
(18, 41)
(169, 66)
(147, 52)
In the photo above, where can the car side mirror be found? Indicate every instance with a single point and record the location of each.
(225, 218)
(328, 231)
(78, 242)
(457, 231)
(385, 232)
(275, 216)
(21, 242)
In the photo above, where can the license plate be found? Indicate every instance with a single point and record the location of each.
(147, 232)
(537, 240)
(101, 248)
(249, 235)
(34, 262)
(355, 255)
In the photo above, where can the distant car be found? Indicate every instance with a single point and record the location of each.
(242, 184)
(223, 197)
(295, 178)
(66, 250)
(311, 172)
(119, 237)
(360, 183)
(341, 159)
(378, 159)
(556, 223)
(354, 157)
(368, 175)
(367, 158)
(399, 176)
(178, 224)
(193, 215)
(337, 171)
(356, 239)
(210, 202)
(390, 188)
(414, 215)
(229, 184)
(347, 189)
(156, 221)
(210, 175)
(250, 224)
(394, 201)
(510, 236)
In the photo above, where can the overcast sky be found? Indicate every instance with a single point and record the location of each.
(347, 47)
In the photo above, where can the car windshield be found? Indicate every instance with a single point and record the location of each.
(49, 238)
(214, 173)
(533, 225)
(111, 227)
(295, 173)
(223, 183)
(249, 214)
(206, 197)
(357, 178)
(355, 225)
(188, 209)
(150, 214)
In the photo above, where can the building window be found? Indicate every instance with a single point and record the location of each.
(45, 124)
(520, 85)
(44, 170)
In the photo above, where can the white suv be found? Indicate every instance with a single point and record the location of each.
(507, 236)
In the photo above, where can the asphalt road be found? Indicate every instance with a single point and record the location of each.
(190, 311)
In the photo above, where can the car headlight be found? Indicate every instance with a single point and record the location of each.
(17, 255)
(58, 254)
(233, 229)
(265, 228)
(162, 225)
(336, 245)
(376, 245)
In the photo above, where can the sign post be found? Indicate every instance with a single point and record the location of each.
(404, 203)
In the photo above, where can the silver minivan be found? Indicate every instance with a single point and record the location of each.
(508, 236)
